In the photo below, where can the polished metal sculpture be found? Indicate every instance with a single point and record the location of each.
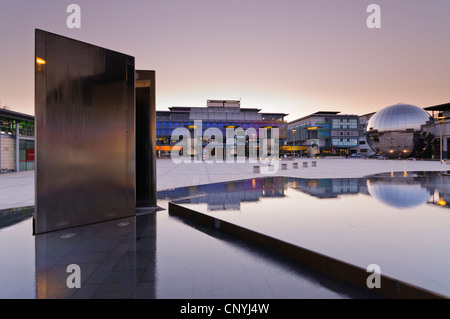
(396, 131)
(85, 133)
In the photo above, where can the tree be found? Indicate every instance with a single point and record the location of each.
(3, 107)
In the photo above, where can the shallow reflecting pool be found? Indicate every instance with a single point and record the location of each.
(399, 221)
(152, 255)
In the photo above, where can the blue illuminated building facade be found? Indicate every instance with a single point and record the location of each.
(221, 114)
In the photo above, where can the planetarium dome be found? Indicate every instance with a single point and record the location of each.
(396, 131)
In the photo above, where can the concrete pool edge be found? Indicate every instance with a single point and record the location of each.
(390, 287)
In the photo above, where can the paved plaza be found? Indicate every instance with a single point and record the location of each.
(17, 189)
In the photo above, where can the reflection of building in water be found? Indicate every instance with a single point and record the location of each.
(441, 190)
(400, 190)
(226, 200)
(406, 190)
(228, 195)
(12, 216)
(328, 187)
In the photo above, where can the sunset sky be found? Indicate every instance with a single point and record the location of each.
(291, 56)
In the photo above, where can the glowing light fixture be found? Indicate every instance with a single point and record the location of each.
(40, 61)
(441, 202)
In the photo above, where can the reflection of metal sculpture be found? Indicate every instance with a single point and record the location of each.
(397, 193)
(396, 131)
(117, 253)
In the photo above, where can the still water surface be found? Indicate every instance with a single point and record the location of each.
(399, 221)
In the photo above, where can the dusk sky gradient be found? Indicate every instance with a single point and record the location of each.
(291, 56)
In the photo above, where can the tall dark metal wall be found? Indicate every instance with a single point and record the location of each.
(85, 133)
(145, 139)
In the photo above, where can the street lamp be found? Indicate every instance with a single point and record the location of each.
(441, 120)
(293, 140)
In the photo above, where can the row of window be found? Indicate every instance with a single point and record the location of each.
(345, 123)
(344, 141)
(160, 124)
(336, 124)
(8, 126)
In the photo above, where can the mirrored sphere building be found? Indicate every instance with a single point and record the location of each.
(397, 131)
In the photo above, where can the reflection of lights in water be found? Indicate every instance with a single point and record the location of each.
(405, 174)
(294, 184)
(69, 235)
(253, 183)
(441, 202)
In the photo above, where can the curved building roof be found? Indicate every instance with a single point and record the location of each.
(398, 117)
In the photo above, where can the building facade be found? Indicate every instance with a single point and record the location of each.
(221, 114)
(16, 141)
(325, 133)
(440, 129)
(364, 148)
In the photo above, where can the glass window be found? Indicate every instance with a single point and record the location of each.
(26, 155)
(346, 142)
(336, 123)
